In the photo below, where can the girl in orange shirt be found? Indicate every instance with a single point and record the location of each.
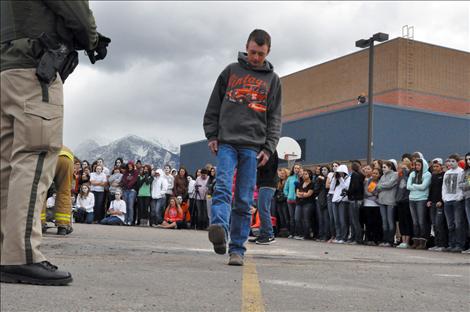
(173, 218)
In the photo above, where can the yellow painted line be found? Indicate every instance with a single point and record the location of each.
(252, 299)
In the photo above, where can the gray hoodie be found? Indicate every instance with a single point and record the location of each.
(464, 184)
(245, 107)
(387, 188)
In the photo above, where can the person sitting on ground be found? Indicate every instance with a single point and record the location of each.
(85, 203)
(255, 223)
(186, 213)
(173, 218)
(116, 211)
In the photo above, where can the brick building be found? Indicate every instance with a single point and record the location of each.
(421, 100)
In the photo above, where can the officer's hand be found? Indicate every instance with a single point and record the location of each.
(101, 49)
(263, 158)
(213, 146)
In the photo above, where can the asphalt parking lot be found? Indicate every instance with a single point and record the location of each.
(150, 269)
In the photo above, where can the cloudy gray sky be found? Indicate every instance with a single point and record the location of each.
(164, 57)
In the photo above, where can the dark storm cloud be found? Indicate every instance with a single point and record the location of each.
(164, 57)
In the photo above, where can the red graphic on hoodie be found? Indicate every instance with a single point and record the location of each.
(248, 90)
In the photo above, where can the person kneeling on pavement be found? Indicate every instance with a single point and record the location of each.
(173, 218)
(116, 211)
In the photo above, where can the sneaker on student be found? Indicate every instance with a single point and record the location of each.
(466, 251)
(266, 241)
(298, 237)
(290, 236)
(340, 241)
(403, 245)
(253, 239)
(456, 250)
(235, 259)
(439, 249)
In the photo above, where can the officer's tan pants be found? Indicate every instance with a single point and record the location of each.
(63, 184)
(30, 139)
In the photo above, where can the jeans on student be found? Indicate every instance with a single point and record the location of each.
(340, 215)
(467, 212)
(331, 215)
(439, 224)
(387, 212)
(265, 199)
(156, 210)
(112, 220)
(89, 217)
(129, 197)
(283, 212)
(420, 216)
(291, 208)
(228, 158)
(323, 222)
(303, 216)
(98, 209)
(354, 213)
(455, 215)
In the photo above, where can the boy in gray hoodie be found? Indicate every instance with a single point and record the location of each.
(242, 124)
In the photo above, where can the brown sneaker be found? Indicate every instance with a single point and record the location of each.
(217, 238)
(235, 259)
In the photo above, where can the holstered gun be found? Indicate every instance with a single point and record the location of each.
(57, 58)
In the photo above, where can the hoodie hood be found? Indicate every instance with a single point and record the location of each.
(342, 169)
(160, 172)
(243, 61)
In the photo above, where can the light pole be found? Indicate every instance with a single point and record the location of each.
(364, 43)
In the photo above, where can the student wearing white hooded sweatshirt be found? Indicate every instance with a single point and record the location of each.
(340, 182)
(157, 204)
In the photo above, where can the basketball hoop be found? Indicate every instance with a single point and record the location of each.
(289, 150)
(291, 158)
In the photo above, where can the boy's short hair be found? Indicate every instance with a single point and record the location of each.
(261, 37)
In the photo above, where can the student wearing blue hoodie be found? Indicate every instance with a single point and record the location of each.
(289, 192)
(418, 185)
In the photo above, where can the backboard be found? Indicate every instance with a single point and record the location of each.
(288, 149)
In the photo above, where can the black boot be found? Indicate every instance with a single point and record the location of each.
(42, 273)
(62, 230)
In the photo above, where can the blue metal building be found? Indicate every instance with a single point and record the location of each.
(342, 135)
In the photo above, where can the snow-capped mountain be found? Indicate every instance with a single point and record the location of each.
(130, 147)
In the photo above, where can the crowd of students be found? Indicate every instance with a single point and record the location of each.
(410, 204)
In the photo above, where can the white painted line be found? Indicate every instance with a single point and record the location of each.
(448, 275)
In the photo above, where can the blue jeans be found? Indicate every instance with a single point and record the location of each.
(467, 212)
(455, 215)
(303, 217)
(420, 216)
(331, 215)
(112, 220)
(291, 209)
(340, 215)
(388, 223)
(129, 197)
(323, 221)
(265, 199)
(89, 217)
(236, 220)
(354, 213)
(439, 225)
(156, 210)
